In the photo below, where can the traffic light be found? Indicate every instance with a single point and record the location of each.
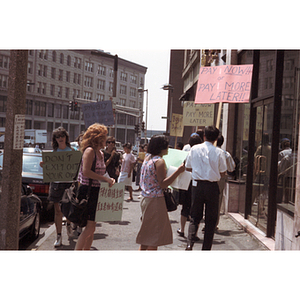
(75, 105)
(71, 105)
(136, 128)
(143, 126)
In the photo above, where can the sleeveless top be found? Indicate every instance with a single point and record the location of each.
(99, 169)
(149, 183)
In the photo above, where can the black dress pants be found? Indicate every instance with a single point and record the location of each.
(207, 193)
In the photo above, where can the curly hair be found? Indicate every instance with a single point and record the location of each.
(94, 136)
(60, 131)
(157, 144)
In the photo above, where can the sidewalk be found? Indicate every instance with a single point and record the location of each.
(232, 235)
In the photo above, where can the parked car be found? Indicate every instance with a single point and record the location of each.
(32, 175)
(30, 213)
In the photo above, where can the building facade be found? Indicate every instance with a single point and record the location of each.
(262, 136)
(56, 77)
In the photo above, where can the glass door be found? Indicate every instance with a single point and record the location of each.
(262, 164)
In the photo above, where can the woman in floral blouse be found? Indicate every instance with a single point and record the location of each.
(155, 228)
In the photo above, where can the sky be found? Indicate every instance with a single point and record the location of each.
(157, 61)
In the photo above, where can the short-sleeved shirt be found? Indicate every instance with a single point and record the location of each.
(128, 159)
(149, 182)
(206, 162)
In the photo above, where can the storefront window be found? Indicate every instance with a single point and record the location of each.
(287, 156)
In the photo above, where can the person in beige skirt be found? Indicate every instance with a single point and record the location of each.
(155, 228)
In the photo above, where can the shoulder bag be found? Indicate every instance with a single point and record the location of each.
(169, 198)
(74, 209)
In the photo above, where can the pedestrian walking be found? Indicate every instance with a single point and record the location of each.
(207, 164)
(60, 142)
(140, 160)
(112, 158)
(155, 228)
(185, 196)
(92, 142)
(128, 163)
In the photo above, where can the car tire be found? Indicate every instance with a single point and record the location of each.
(35, 228)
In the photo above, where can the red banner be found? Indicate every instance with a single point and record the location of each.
(227, 83)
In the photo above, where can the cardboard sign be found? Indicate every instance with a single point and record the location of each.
(176, 128)
(60, 166)
(198, 114)
(183, 181)
(175, 157)
(110, 202)
(227, 83)
(98, 112)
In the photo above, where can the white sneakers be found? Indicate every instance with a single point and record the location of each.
(58, 241)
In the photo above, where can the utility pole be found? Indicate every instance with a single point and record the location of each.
(13, 151)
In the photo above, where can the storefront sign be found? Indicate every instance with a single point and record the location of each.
(98, 112)
(227, 83)
(60, 166)
(197, 114)
(176, 128)
(110, 202)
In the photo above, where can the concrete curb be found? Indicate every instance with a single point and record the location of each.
(269, 243)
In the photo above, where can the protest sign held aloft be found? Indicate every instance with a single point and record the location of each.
(110, 202)
(98, 112)
(60, 166)
(227, 83)
(176, 125)
(197, 114)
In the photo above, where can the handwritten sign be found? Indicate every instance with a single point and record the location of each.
(110, 202)
(228, 83)
(197, 114)
(60, 166)
(176, 128)
(98, 112)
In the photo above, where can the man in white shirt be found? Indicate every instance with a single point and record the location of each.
(207, 164)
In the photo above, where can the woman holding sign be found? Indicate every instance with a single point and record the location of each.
(156, 228)
(93, 141)
(60, 142)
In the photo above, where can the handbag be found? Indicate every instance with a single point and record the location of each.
(74, 209)
(170, 200)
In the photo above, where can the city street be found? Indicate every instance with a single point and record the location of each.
(122, 235)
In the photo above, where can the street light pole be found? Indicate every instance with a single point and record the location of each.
(169, 87)
(141, 90)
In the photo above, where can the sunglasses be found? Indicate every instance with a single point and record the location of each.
(59, 135)
(109, 142)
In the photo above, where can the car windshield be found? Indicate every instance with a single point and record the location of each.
(31, 164)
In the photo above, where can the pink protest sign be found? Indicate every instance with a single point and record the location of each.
(228, 83)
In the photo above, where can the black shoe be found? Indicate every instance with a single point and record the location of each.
(189, 245)
(180, 233)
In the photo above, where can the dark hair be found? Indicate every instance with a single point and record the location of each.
(200, 132)
(195, 139)
(220, 140)
(211, 133)
(157, 144)
(127, 145)
(111, 138)
(60, 131)
(180, 145)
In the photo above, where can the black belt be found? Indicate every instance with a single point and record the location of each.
(199, 180)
